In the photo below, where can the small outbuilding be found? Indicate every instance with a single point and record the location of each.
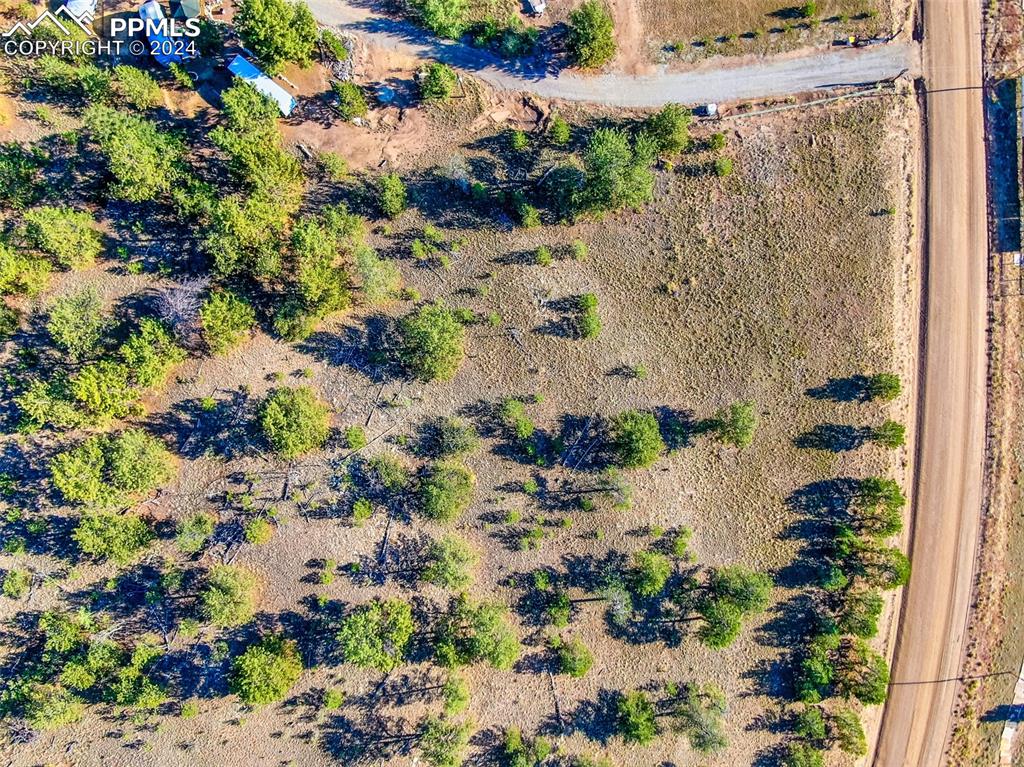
(165, 50)
(246, 70)
(187, 9)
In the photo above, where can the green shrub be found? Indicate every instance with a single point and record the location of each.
(194, 531)
(49, 706)
(266, 671)
(150, 352)
(181, 76)
(118, 537)
(636, 718)
(449, 563)
(137, 87)
(229, 596)
(717, 141)
(76, 323)
(443, 743)
(322, 283)
(355, 437)
(847, 732)
(559, 131)
(542, 256)
(809, 9)
(735, 425)
(258, 531)
(111, 469)
(635, 439)
(379, 278)
(698, 714)
(294, 421)
(362, 510)
(225, 319)
(21, 273)
(574, 658)
(524, 752)
(446, 491)
(278, 32)
(333, 165)
(391, 195)
(376, 634)
(723, 166)
(103, 391)
(432, 342)
(455, 694)
(20, 184)
(438, 82)
(591, 35)
(616, 172)
(798, 754)
(351, 99)
(69, 237)
(588, 321)
(518, 140)
(16, 583)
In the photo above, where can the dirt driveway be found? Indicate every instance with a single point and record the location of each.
(948, 489)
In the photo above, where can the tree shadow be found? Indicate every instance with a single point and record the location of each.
(833, 437)
(850, 389)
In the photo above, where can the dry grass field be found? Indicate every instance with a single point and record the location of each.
(699, 28)
(790, 272)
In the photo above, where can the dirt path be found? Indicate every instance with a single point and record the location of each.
(631, 57)
(948, 488)
(758, 78)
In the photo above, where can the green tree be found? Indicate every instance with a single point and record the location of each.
(802, 755)
(76, 323)
(636, 718)
(455, 694)
(890, 434)
(589, 321)
(697, 713)
(16, 583)
(446, 437)
(67, 236)
(732, 593)
(377, 634)
(443, 742)
(323, 284)
(650, 573)
(735, 425)
(110, 470)
(445, 18)
(266, 671)
(446, 491)
(137, 87)
(21, 273)
(861, 672)
(450, 562)
(859, 611)
(470, 632)
(883, 386)
(391, 195)
(118, 537)
(847, 732)
(278, 32)
(294, 421)
(670, 128)
(150, 352)
(49, 706)
(225, 318)
(810, 724)
(379, 278)
(432, 342)
(437, 82)
(351, 99)
(229, 597)
(635, 439)
(591, 35)
(616, 174)
(142, 160)
(524, 752)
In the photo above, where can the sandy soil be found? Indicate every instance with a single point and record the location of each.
(948, 487)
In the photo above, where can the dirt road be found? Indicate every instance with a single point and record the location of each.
(948, 488)
(773, 76)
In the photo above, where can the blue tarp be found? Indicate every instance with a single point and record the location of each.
(252, 74)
